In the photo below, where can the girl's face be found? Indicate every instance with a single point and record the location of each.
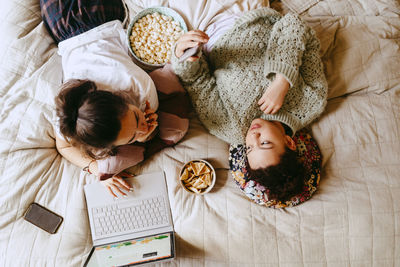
(134, 127)
(266, 142)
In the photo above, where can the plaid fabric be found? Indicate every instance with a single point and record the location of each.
(67, 18)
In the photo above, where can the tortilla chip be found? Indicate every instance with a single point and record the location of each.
(197, 167)
(205, 169)
(184, 175)
(207, 179)
(194, 190)
(189, 167)
(202, 185)
(191, 179)
(197, 183)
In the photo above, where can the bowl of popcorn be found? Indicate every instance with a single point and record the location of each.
(197, 177)
(152, 33)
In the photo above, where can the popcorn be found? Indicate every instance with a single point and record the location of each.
(153, 36)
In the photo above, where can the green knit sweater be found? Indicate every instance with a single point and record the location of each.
(225, 90)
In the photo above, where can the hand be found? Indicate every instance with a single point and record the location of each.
(148, 110)
(274, 95)
(116, 184)
(189, 40)
(150, 115)
(152, 123)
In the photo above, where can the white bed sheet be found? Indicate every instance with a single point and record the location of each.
(352, 220)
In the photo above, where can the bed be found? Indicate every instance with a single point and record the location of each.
(352, 220)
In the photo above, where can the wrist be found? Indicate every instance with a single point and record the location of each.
(281, 83)
(281, 79)
(91, 167)
(177, 51)
(94, 168)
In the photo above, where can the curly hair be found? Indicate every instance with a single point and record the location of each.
(284, 180)
(90, 118)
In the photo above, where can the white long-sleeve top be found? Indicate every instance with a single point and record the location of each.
(101, 55)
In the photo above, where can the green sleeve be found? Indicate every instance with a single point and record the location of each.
(212, 110)
(307, 98)
(285, 48)
(313, 77)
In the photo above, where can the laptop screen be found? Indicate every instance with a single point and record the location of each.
(133, 252)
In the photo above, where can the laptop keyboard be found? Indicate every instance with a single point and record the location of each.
(128, 216)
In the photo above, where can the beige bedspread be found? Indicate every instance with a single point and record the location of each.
(352, 220)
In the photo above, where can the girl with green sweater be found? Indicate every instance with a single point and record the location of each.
(261, 83)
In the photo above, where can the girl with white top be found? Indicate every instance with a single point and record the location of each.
(106, 101)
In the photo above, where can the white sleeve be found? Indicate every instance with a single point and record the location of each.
(142, 84)
(142, 88)
(57, 132)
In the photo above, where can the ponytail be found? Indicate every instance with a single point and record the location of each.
(90, 118)
(72, 94)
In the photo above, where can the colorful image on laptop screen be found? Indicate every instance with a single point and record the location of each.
(131, 252)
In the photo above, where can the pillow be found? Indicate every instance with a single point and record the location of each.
(309, 154)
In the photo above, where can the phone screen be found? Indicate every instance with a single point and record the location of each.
(43, 218)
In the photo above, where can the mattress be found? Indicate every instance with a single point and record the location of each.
(352, 220)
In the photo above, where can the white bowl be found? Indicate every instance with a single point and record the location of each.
(213, 176)
(163, 11)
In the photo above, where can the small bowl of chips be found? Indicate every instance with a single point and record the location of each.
(197, 176)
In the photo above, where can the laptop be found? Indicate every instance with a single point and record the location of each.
(132, 230)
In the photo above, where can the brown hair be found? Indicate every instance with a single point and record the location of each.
(89, 118)
(284, 180)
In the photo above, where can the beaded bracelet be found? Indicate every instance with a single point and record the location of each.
(87, 168)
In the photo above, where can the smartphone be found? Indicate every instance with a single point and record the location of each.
(190, 52)
(43, 218)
